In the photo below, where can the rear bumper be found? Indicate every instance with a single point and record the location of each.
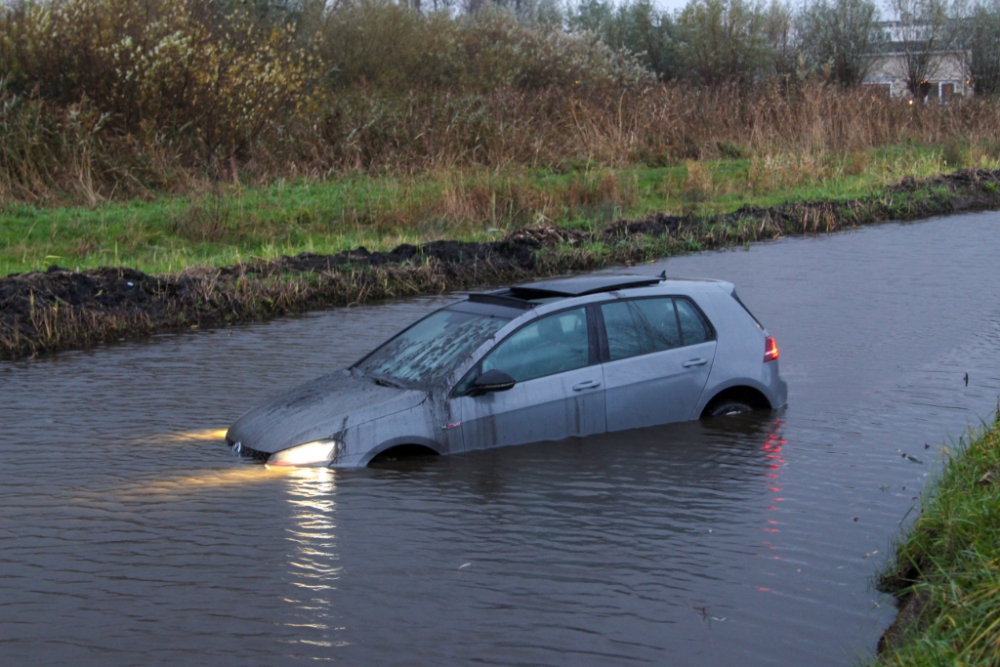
(777, 388)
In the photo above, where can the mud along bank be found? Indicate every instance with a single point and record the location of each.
(946, 571)
(61, 309)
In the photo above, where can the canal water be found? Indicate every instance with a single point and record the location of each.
(129, 535)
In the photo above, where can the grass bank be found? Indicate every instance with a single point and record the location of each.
(946, 572)
(226, 224)
(59, 308)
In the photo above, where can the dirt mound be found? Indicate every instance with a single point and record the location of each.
(519, 248)
(101, 288)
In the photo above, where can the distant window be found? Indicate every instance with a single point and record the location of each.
(549, 345)
(640, 326)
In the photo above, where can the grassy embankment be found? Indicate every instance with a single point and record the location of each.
(229, 224)
(59, 309)
(946, 572)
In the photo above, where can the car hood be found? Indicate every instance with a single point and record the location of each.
(318, 410)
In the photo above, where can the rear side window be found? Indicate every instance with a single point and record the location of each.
(550, 345)
(640, 326)
(694, 329)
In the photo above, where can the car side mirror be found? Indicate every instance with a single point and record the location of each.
(493, 380)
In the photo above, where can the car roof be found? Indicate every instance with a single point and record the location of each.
(527, 296)
(583, 285)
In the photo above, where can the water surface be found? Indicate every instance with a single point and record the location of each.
(130, 536)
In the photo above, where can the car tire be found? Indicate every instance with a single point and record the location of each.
(728, 408)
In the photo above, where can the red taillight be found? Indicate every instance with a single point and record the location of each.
(770, 349)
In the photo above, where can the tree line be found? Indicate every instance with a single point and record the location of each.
(838, 41)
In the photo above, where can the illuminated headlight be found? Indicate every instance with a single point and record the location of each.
(319, 453)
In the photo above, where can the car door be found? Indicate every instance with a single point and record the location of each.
(559, 391)
(659, 353)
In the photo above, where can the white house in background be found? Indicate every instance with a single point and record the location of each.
(946, 75)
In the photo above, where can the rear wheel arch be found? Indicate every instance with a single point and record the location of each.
(738, 395)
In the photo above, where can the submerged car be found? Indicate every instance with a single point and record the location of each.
(534, 362)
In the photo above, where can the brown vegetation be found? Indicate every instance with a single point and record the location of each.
(113, 99)
(52, 153)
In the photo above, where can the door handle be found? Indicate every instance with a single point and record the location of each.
(695, 362)
(589, 384)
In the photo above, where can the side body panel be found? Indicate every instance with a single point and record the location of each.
(656, 388)
(417, 426)
(546, 408)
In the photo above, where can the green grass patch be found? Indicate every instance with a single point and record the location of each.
(232, 224)
(948, 566)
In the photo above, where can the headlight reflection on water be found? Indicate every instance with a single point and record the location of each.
(203, 435)
(313, 561)
(206, 479)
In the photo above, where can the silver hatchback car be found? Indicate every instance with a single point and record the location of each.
(541, 361)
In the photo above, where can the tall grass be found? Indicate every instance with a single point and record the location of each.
(74, 153)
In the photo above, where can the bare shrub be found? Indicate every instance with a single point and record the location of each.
(221, 75)
(388, 45)
(840, 38)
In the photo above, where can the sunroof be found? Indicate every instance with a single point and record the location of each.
(581, 286)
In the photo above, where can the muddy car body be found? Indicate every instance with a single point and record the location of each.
(535, 362)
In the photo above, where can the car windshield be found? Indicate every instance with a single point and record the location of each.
(431, 348)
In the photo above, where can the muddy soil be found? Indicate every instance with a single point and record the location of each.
(60, 309)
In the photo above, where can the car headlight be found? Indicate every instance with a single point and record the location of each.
(318, 453)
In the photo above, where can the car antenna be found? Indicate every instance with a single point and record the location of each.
(663, 276)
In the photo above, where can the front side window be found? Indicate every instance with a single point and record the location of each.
(432, 347)
(640, 326)
(549, 345)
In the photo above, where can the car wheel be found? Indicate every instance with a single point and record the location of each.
(728, 408)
